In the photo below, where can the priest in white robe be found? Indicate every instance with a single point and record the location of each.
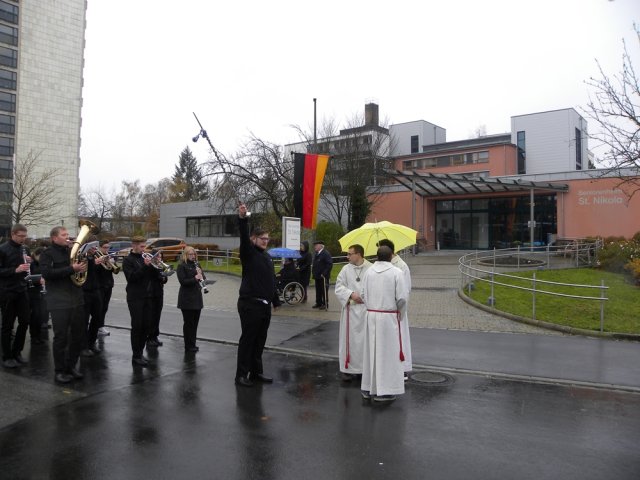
(384, 295)
(397, 261)
(352, 319)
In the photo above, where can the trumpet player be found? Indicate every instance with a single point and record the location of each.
(190, 297)
(139, 272)
(157, 299)
(105, 276)
(92, 302)
(14, 302)
(39, 313)
(66, 304)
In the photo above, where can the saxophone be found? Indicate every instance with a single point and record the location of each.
(86, 228)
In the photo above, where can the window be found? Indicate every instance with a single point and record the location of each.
(9, 35)
(8, 57)
(8, 12)
(8, 79)
(414, 143)
(477, 157)
(522, 153)
(7, 102)
(6, 146)
(6, 192)
(6, 169)
(211, 226)
(7, 124)
(578, 149)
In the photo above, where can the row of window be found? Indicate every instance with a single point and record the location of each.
(448, 160)
(6, 169)
(344, 144)
(219, 226)
(9, 13)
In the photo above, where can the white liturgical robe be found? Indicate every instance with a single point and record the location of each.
(352, 318)
(384, 295)
(407, 365)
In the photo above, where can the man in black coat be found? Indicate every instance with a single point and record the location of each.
(139, 273)
(321, 271)
(65, 301)
(304, 267)
(14, 300)
(257, 294)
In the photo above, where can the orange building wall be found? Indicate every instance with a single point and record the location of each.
(597, 208)
(502, 161)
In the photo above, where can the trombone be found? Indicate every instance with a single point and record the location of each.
(109, 263)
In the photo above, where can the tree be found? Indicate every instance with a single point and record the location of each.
(152, 197)
(258, 174)
(96, 205)
(126, 209)
(188, 180)
(34, 188)
(615, 108)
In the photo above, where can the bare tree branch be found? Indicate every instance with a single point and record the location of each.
(33, 189)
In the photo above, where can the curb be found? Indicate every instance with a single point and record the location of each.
(548, 325)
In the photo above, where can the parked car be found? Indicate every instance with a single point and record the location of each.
(120, 248)
(171, 247)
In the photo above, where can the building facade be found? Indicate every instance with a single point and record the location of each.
(41, 64)
(532, 184)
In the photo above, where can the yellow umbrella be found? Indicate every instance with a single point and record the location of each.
(369, 234)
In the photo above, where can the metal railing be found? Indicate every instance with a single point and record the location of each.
(491, 267)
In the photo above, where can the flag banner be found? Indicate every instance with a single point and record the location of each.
(308, 175)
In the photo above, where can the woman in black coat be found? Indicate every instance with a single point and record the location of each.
(304, 267)
(190, 297)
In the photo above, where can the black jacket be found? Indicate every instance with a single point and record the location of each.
(55, 265)
(105, 277)
(93, 279)
(258, 275)
(322, 264)
(304, 264)
(11, 255)
(157, 284)
(190, 293)
(139, 277)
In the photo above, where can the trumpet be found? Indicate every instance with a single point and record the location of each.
(166, 269)
(109, 263)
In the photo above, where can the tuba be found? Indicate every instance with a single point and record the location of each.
(86, 228)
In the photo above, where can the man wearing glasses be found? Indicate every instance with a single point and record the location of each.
(14, 300)
(257, 294)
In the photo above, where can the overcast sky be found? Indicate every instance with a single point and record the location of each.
(255, 67)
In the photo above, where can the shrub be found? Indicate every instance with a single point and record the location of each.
(633, 267)
(617, 253)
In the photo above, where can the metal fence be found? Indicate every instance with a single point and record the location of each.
(493, 266)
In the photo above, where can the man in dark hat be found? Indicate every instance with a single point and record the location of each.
(321, 271)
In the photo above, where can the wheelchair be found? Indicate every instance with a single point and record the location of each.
(290, 292)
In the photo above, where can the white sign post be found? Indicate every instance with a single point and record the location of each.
(291, 233)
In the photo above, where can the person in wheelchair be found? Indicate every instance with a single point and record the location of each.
(287, 273)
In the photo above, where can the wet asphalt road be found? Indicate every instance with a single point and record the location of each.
(184, 418)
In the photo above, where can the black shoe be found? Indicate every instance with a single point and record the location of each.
(76, 374)
(346, 377)
(63, 378)
(87, 352)
(262, 378)
(96, 348)
(151, 343)
(140, 361)
(192, 349)
(244, 382)
(19, 359)
(9, 363)
(158, 342)
(316, 305)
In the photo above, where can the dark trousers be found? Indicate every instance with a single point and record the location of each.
(140, 311)
(156, 313)
(190, 327)
(106, 298)
(68, 331)
(255, 318)
(322, 291)
(92, 316)
(39, 314)
(14, 304)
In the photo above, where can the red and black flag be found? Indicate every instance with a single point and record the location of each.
(308, 174)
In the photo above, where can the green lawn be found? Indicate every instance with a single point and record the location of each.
(621, 310)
